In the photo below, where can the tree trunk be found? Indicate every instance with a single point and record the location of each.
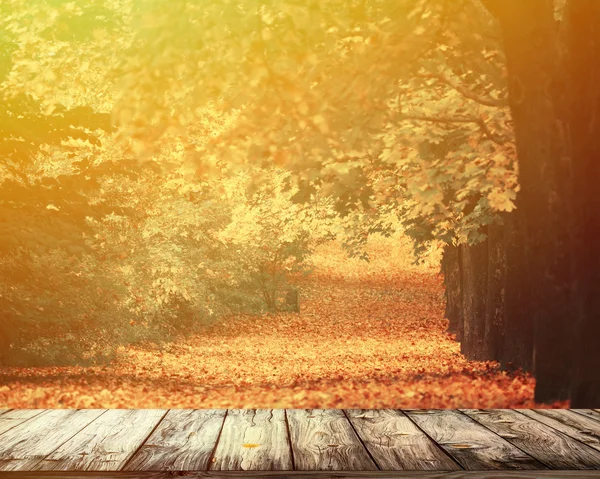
(517, 350)
(583, 27)
(474, 272)
(494, 318)
(453, 290)
(530, 44)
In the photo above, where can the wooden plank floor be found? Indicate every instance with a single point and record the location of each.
(274, 443)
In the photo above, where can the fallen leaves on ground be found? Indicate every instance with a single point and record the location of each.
(369, 335)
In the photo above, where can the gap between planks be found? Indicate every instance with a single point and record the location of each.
(348, 441)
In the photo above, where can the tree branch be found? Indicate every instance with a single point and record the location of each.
(471, 95)
(440, 119)
(458, 119)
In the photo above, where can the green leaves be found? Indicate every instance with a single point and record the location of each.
(199, 150)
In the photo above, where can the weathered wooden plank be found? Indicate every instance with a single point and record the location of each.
(106, 443)
(473, 446)
(547, 445)
(310, 475)
(14, 417)
(578, 426)
(395, 443)
(25, 445)
(323, 439)
(2, 411)
(253, 439)
(588, 412)
(183, 441)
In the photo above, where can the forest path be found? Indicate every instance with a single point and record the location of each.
(369, 335)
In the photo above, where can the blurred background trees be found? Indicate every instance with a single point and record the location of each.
(165, 163)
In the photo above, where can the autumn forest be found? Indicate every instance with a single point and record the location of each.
(299, 204)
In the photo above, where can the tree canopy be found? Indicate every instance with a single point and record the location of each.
(175, 161)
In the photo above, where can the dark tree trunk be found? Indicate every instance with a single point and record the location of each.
(453, 290)
(530, 44)
(583, 27)
(460, 327)
(474, 272)
(517, 350)
(494, 318)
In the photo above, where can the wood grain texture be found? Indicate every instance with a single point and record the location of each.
(311, 475)
(23, 446)
(395, 443)
(321, 443)
(592, 413)
(253, 439)
(14, 417)
(323, 439)
(578, 426)
(183, 441)
(106, 443)
(473, 446)
(547, 445)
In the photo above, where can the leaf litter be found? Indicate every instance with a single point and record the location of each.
(368, 335)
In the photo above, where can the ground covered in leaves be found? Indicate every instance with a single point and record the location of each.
(369, 335)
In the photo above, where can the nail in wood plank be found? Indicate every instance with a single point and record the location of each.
(253, 439)
(473, 446)
(396, 443)
(23, 446)
(323, 439)
(106, 443)
(547, 445)
(183, 441)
